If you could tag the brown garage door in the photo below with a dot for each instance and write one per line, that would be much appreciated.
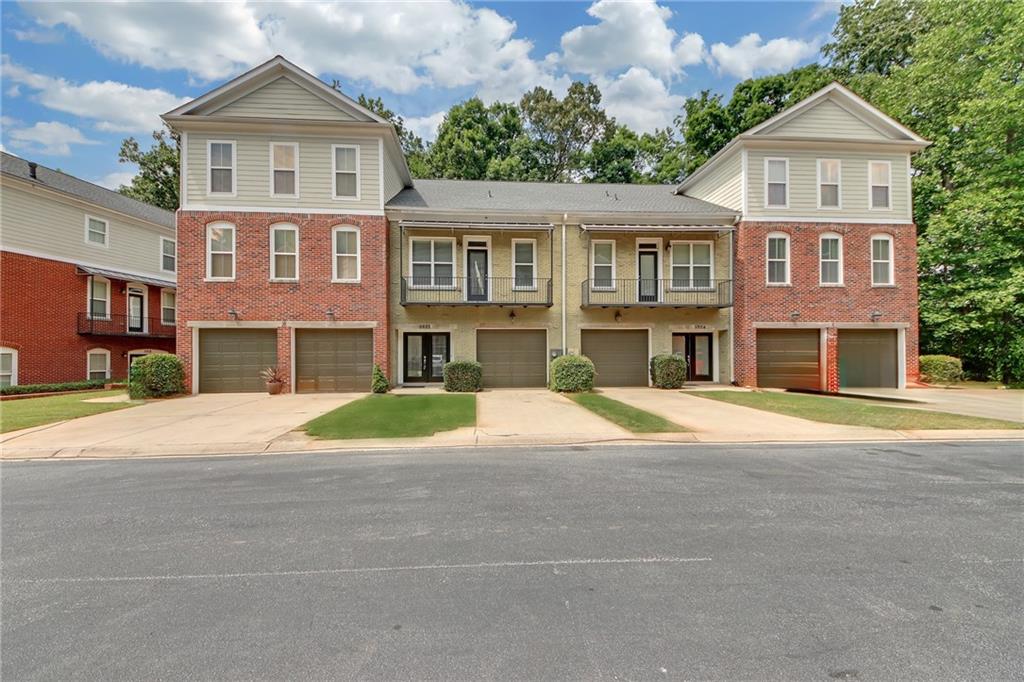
(867, 358)
(788, 358)
(230, 360)
(620, 356)
(513, 358)
(333, 360)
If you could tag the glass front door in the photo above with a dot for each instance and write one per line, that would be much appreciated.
(647, 286)
(476, 265)
(426, 356)
(696, 348)
(135, 308)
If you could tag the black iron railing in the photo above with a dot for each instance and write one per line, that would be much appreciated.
(673, 293)
(471, 291)
(124, 325)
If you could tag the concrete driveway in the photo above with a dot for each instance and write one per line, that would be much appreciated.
(215, 423)
(973, 402)
(540, 414)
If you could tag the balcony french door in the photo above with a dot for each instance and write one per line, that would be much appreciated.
(477, 257)
(136, 311)
(647, 268)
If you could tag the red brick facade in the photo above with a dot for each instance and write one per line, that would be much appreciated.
(39, 308)
(828, 307)
(256, 299)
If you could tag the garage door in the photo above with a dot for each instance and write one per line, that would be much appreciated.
(868, 358)
(230, 360)
(620, 356)
(332, 360)
(513, 358)
(788, 358)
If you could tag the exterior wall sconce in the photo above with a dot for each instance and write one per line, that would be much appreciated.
(875, 315)
(511, 314)
(618, 316)
(330, 314)
(233, 314)
(794, 315)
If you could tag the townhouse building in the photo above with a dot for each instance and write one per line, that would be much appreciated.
(87, 277)
(787, 260)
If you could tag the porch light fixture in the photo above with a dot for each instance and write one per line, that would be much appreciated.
(512, 314)
(875, 315)
(233, 314)
(618, 316)
(795, 314)
(330, 314)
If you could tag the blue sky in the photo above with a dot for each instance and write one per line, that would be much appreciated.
(78, 77)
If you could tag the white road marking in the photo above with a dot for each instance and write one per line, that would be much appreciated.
(373, 569)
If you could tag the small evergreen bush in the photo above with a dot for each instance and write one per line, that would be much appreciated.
(463, 376)
(156, 376)
(25, 389)
(940, 369)
(572, 374)
(668, 371)
(379, 383)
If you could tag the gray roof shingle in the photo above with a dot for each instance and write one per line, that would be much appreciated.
(86, 191)
(551, 197)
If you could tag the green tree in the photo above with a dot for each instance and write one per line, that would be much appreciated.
(875, 36)
(157, 180)
(411, 143)
(561, 131)
(624, 156)
(474, 140)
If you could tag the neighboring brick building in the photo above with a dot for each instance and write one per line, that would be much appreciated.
(87, 277)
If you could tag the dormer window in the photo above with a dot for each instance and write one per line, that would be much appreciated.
(346, 171)
(222, 167)
(776, 185)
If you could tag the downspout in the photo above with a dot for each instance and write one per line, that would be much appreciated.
(565, 218)
(732, 308)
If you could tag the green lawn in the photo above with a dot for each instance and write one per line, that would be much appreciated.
(395, 416)
(853, 412)
(27, 412)
(626, 416)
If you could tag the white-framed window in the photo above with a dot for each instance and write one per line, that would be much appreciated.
(830, 259)
(830, 173)
(8, 367)
(98, 297)
(96, 231)
(432, 262)
(168, 306)
(284, 252)
(776, 183)
(284, 169)
(881, 260)
(602, 264)
(345, 168)
(880, 190)
(220, 251)
(692, 265)
(220, 167)
(168, 255)
(346, 254)
(524, 263)
(777, 258)
(98, 364)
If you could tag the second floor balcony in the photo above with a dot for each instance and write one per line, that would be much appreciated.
(656, 293)
(445, 290)
(124, 325)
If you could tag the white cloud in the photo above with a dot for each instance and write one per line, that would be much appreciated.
(114, 106)
(629, 34)
(39, 36)
(116, 179)
(49, 137)
(751, 55)
(640, 100)
(426, 126)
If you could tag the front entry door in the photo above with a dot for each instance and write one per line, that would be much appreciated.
(696, 348)
(647, 286)
(426, 356)
(136, 301)
(476, 271)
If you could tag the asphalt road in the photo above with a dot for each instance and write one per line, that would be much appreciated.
(868, 561)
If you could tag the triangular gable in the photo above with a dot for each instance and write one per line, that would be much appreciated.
(284, 98)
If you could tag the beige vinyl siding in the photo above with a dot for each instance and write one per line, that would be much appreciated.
(803, 185)
(393, 183)
(828, 120)
(723, 185)
(253, 173)
(283, 98)
(40, 222)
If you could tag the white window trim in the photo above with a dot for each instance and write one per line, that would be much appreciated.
(164, 307)
(822, 237)
(767, 159)
(839, 187)
(455, 262)
(284, 227)
(335, 254)
(14, 363)
(335, 171)
(671, 264)
(97, 351)
(515, 263)
(593, 278)
(294, 146)
(871, 185)
(892, 259)
(209, 168)
(175, 243)
(789, 259)
(89, 299)
(106, 231)
(209, 252)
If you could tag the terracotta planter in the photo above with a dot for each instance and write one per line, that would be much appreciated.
(274, 387)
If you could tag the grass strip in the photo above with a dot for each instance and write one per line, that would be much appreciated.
(29, 412)
(628, 417)
(395, 416)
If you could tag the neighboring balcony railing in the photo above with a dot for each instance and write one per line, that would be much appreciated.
(652, 293)
(475, 291)
(124, 325)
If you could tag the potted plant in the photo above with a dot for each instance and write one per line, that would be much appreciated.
(275, 382)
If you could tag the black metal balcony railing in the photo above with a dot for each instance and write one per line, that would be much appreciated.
(677, 293)
(475, 291)
(124, 325)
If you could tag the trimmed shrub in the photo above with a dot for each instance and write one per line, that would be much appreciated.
(572, 374)
(463, 376)
(940, 369)
(25, 389)
(668, 371)
(156, 376)
(379, 383)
